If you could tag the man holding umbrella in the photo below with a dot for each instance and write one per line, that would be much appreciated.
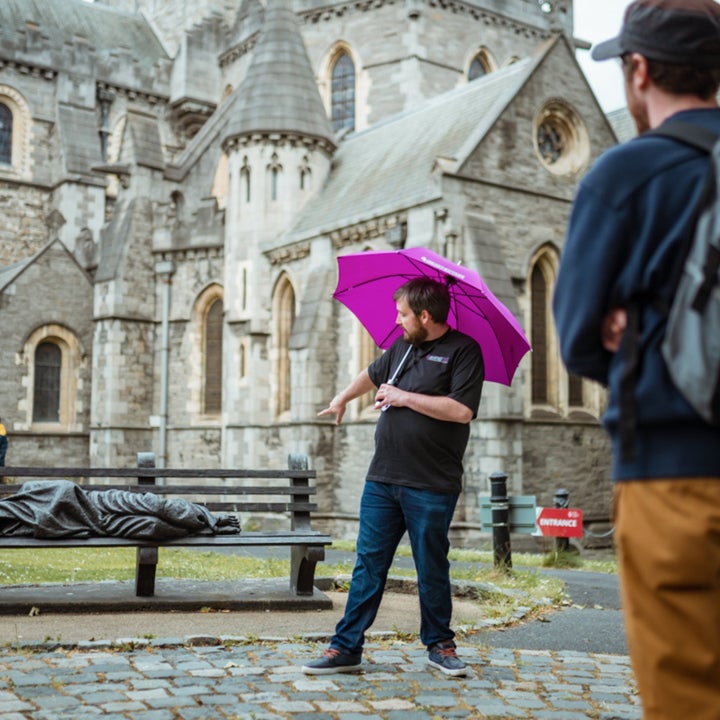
(428, 384)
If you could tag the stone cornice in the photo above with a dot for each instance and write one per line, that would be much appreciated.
(25, 68)
(278, 138)
(327, 13)
(369, 230)
(457, 7)
(288, 253)
(237, 51)
(131, 93)
(204, 252)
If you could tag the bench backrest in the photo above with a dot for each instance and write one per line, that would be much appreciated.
(220, 490)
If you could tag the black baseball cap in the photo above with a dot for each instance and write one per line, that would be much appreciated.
(678, 32)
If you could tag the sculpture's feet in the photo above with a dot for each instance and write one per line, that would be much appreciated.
(227, 525)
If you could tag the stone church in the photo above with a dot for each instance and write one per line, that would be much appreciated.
(178, 178)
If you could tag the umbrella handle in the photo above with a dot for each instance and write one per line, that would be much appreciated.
(394, 378)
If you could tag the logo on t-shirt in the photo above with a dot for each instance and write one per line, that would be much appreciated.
(439, 359)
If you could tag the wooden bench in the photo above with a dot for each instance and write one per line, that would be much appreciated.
(288, 497)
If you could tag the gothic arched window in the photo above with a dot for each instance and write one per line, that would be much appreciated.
(305, 174)
(274, 169)
(6, 131)
(213, 358)
(552, 389)
(477, 69)
(481, 64)
(177, 200)
(284, 312)
(342, 95)
(15, 133)
(245, 180)
(46, 395)
(55, 362)
(539, 336)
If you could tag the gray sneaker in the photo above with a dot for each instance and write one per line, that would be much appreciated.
(333, 661)
(443, 657)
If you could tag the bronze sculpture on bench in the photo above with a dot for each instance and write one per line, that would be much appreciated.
(63, 509)
(285, 497)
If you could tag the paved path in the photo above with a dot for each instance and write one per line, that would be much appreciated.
(166, 680)
(569, 666)
(591, 623)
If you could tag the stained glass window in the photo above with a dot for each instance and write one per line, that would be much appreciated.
(285, 309)
(46, 398)
(550, 142)
(213, 358)
(6, 130)
(477, 69)
(539, 336)
(342, 112)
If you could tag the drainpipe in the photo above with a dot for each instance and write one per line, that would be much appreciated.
(164, 270)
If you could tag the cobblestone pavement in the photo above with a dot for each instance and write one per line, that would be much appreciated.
(203, 678)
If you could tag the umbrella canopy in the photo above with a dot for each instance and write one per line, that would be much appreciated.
(367, 281)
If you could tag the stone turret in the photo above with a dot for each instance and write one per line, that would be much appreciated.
(279, 144)
(279, 93)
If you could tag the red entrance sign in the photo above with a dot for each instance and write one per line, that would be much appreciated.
(560, 522)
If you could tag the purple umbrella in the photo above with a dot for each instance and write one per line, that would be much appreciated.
(367, 281)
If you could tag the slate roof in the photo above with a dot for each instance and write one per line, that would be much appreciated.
(146, 142)
(248, 21)
(112, 244)
(10, 272)
(80, 140)
(389, 166)
(623, 124)
(279, 93)
(105, 28)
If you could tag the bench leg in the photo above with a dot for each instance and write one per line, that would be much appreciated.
(302, 568)
(146, 560)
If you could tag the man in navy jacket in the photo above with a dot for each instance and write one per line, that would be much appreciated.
(630, 214)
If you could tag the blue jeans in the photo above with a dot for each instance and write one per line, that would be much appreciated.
(386, 512)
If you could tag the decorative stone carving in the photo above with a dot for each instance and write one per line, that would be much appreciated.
(86, 249)
(54, 220)
(289, 253)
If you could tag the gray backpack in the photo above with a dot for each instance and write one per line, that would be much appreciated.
(691, 347)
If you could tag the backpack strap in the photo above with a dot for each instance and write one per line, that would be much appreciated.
(695, 135)
(701, 138)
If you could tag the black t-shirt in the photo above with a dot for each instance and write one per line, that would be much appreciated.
(413, 449)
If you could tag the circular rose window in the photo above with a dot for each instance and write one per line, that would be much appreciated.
(561, 139)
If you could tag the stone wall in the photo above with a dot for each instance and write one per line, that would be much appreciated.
(170, 19)
(22, 230)
(412, 61)
(63, 308)
(27, 449)
(574, 456)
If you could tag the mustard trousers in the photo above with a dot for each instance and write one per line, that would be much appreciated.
(668, 539)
